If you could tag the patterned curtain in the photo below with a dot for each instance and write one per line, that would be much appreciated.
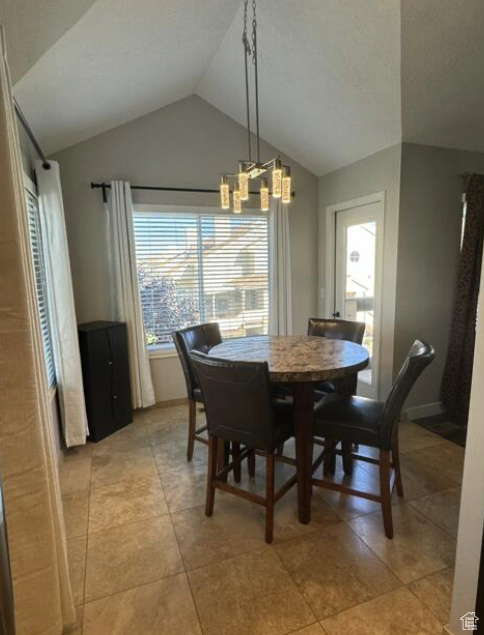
(457, 378)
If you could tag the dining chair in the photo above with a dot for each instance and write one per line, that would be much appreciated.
(338, 330)
(356, 420)
(202, 337)
(241, 410)
(350, 331)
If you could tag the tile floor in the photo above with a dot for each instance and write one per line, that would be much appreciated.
(145, 560)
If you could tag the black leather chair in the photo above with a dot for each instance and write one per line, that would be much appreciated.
(338, 330)
(240, 410)
(356, 420)
(202, 338)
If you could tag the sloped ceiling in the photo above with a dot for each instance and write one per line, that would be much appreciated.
(442, 73)
(339, 79)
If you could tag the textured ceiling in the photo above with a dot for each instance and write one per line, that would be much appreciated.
(33, 26)
(330, 89)
(120, 61)
(442, 73)
(339, 79)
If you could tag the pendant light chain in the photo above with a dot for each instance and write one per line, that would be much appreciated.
(247, 53)
(256, 74)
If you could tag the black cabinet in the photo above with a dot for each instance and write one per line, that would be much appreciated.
(105, 373)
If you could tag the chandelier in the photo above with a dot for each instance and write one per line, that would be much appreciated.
(249, 169)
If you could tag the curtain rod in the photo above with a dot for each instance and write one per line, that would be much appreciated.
(30, 134)
(106, 186)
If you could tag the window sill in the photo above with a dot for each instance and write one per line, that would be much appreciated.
(162, 354)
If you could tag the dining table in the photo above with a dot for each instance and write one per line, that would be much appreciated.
(298, 362)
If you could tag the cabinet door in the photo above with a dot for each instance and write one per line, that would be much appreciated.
(121, 395)
(97, 376)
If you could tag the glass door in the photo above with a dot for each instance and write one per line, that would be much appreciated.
(358, 282)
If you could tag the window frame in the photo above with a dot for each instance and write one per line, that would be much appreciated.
(31, 189)
(169, 350)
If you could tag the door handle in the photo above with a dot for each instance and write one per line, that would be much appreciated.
(336, 314)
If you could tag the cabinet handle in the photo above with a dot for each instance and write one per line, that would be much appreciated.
(115, 396)
(110, 363)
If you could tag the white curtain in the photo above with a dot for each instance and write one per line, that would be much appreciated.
(36, 535)
(125, 289)
(280, 304)
(61, 305)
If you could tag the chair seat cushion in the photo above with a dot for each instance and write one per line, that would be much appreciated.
(353, 419)
(284, 420)
(326, 386)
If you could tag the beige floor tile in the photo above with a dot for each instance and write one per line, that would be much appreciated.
(84, 451)
(335, 570)
(418, 548)
(76, 510)
(235, 527)
(314, 629)
(173, 432)
(442, 508)
(126, 502)
(184, 490)
(421, 475)
(127, 467)
(128, 439)
(398, 613)
(436, 593)
(127, 556)
(171, 458)
(446, 459)
(251, 593)
(164, 607)
(413, 437)
(76, 555)
(75, 474)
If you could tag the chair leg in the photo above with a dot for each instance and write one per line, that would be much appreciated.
(270, 479)
(329, 462)
(211, 474)
(396, 465)
(347, 448)
(385, 493)
(237, 465)
(251, 464)
(192, 422)
(223, 453)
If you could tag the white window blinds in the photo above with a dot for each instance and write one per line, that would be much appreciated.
(196, 268)
(38, 260)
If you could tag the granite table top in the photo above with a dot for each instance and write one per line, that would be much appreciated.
(296, 358)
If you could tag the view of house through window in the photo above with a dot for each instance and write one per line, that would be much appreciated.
(195, 268)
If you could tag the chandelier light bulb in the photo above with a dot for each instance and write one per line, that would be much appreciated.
(224, 193)
(264, 196)
(244, 185)
(286, 186)
(237, 202)
(277, 179)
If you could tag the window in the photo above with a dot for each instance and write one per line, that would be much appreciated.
(38, 260)
(194, 268)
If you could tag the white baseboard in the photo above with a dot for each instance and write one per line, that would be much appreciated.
(425, 410)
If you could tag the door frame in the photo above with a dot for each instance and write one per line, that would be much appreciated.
(330, 274)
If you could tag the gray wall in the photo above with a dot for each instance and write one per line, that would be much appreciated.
(187, 144)
(428, 254)
(376, 173)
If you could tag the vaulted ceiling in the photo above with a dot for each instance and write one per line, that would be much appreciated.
(339, 79)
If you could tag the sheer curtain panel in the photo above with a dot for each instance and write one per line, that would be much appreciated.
(280, 305)
(63, 314)
(125, 288)
(43, 601)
